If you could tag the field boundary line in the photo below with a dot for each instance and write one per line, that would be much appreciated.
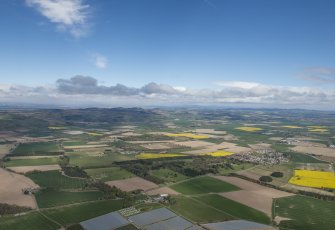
(52, 220)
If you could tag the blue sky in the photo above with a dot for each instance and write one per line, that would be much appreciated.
(193, 45)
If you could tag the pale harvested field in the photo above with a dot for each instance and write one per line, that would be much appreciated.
(251, 174)
(11, 189)
(132, 184)
(260, 146)
(25, 169)
(84, 146)
(309, 144)
(157, 146)
(4, 150)
(227, 146)
(210, 131)
(33, 157)
(150, 142)
(73, 132)
(321, 151)
(195, 144)
(130, 134)
(162, 190)
(252, 194)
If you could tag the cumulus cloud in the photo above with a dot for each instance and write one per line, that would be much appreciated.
(99, 60)
(88, 85)
(87, 90)
(68, 15)
(319, 74)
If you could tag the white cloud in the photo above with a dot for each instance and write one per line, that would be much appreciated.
(68, 15)
(99, 61)
(87, 90)
(238, 84)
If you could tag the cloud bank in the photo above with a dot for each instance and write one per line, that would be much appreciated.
(68, 15)
(86, 90)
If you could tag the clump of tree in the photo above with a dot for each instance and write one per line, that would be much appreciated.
(265, 179)
(277, 174)
(7, 209)
(74, 171)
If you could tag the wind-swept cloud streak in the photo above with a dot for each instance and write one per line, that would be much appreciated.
(86, 90)
(68, 15)
(319, 74)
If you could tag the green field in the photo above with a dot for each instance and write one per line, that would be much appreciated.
(197, 211)
(54, 179)
(74, 143)
(233, 208)
(97, 161)
(50, 198)
(306, 213)
(236, 167)
(77, 213)
(40, 148)
(168, 175)
(108, 174)
(201, 185)
(31, 221)
(32, 162)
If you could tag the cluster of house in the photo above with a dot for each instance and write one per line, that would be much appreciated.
(263, 156)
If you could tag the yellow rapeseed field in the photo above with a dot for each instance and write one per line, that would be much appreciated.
(220, 153)
(314, 179)
(190, 135)
(291, 127)
(318, 130)
(249, 128)
(317, 127)
(158, 155)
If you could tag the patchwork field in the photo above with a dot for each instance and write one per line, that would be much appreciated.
(249, 128)
(4, 150)
(201, 185)
(43, 168)
(97, 161)
(314, 179)
(32, 162)
(198, 212)
(50, 198)
(158, 155)
(108, 174)
(225, 146)
(319, 151)
(39, 148)
(11, 189)
(162, 190)
(305, 213)
(54, 179)
(233, 208)
(252, 194)
(188, 135)
(132, 184)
